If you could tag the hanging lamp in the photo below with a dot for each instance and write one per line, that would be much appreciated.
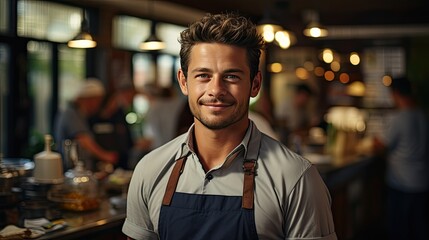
(314, 28)
(83, 39)
(152, 43)
(272, 31)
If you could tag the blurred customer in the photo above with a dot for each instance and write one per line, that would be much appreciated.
(405, 144)
(299, 115)
(110, 127)
(73, 124)
(161, 121)
(263, 124)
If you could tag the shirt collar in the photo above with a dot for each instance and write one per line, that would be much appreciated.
(250, 143)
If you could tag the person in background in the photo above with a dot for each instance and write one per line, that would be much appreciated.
(405, 146)
(224, 179)
(161, 120)
(301, 119)
(263, 124)
(298, 116)
(72, 124)
(110, 127)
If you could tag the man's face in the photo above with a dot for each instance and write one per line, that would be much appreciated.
(218, 85)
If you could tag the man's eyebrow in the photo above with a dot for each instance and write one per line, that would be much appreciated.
(231, 70)
(201, 70)
(234, 70)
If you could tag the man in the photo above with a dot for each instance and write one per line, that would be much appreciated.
(73, 124)
(224, 179)
(110, 128)
(405, 144)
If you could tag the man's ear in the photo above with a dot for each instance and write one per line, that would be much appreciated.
(256, 84)
(182, 82)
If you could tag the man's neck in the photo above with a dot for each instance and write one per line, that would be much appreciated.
(213, 146)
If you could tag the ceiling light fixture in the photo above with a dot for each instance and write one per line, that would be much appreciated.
(152, 43)
(83, 39)
(271, 30)
(314, 28)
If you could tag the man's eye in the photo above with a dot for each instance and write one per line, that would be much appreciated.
(202, 76)
(232, 78)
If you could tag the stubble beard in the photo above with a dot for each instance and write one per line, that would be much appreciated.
(218, 123)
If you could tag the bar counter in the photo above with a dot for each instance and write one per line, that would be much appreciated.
(355, 184)
(103, 223)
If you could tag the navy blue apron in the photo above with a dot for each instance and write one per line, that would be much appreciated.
(197, 216)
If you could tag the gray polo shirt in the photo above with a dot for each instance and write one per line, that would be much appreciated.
(291, 200)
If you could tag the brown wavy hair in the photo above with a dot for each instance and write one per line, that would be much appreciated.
(227, 28)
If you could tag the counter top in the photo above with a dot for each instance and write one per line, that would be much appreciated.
(87, 223)
(104, 222)
(338, 173)
(108, 220)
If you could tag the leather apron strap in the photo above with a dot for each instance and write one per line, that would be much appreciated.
(173, 180)
(248, 184)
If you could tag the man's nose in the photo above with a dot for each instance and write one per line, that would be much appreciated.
(216, 86)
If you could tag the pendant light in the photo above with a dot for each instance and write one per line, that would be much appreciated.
(268, 27)
(83, 39)
(314, 29)
(152, 43)
(272, 31)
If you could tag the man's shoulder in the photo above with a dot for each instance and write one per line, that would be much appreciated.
(163, 155)
(173, 146)
(276, 154)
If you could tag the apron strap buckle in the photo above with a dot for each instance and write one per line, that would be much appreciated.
(249, 167)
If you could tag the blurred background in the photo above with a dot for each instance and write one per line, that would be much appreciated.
(344, 52)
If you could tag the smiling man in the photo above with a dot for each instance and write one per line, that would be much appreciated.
(224, 179)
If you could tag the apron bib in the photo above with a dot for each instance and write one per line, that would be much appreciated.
(197, 216)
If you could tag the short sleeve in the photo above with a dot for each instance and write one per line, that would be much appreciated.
(138, 224)
(309, 214)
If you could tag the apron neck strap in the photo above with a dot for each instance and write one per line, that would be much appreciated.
(249, 167)
(173, 180)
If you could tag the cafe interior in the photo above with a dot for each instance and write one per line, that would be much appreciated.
(346, 52)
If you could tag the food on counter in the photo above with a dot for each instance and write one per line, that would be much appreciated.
(78, 202)
(73, 199)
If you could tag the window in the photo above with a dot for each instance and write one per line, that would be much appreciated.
(47, 20)
(40, 85)
(144, 69)
(4, 91)
(71, 73)
(4, 16)
(166, 69)
(128, 32)
(169, 33)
